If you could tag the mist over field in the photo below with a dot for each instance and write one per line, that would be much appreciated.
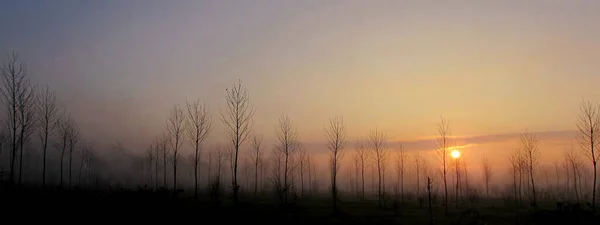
(409, 112)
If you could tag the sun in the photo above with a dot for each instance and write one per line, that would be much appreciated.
(455, 154)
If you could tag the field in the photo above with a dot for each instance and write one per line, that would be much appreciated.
(152, 206)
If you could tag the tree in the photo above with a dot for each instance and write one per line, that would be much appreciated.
(418, 163)
(487, 174)
(443, 142)
(72, 141)
(256, 157)
(162, 143)
(377, 143)
(302, 157)
(400, 169)
(575, 164)
(86, 151)
(176, 127)
(48, 115)
(589, 138)
(18, 98)
(66, 129)
(532, 155)
(336, 141)
(199, 124)
(361, 159)
(238, 122)
(287, 146)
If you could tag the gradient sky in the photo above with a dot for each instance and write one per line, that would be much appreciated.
(492, 69)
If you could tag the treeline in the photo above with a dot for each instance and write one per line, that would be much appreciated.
(41, 144)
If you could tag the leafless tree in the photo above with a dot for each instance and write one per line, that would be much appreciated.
(256, 157)
(162, 146)
(417, 163)
(199, 124)
(377, 143)
(151, 159)
(72, 142)
(287, 146)
(532, 155)
(14, 85)
(302, 157)
(336, 141)
(589, 138)
(443, 142)
(27, 111)
(361, 156)
(575, 167)
(48, 115)
(487, 174)
(238, 121)
(400, 169)
(66, 130)
(176, 128)
(86, 151)
(458, 177)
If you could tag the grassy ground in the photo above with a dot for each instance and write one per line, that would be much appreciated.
(135, 206)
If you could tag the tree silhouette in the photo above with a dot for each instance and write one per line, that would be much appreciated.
(400, 169)
(443, 142)
(589, 138)
(336, 141)
(287, 146)
(66, 132)
(256, 157)
(361, 156)
(530, 147)
(238, 122)
(48, 115)
(176, 127)
(199, 124)
(377, 143)
(487, 174)
(18, 98)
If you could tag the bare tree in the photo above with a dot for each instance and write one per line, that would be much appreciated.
(176, 127)
(361, 158)
(48, 121)
(27, 111)
(302, 157)
(443, 142)
(417, 163)
(199, 124)
(162, 147)
(487, 174)
(256, 157)
(151, 159)
(18, 98)
(86, 151)
(72, 142)
(238, 121)
(66, 129)
(287, 146)
(377, 143)
(400, 169)
(575, 166)
(336, 141)
(530, 148)
(589, 138)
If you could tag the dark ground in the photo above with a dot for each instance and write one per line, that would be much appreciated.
(67, 206)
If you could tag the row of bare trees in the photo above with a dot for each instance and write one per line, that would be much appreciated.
(28, 110)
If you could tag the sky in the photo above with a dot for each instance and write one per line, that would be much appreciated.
(492, 69)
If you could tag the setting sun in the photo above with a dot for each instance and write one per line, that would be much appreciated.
(455, 154)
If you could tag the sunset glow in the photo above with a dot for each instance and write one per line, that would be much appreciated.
(455, 154)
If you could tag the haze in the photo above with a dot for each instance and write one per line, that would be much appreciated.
(492, 69)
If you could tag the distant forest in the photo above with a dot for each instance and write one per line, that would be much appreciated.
(41, 145)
